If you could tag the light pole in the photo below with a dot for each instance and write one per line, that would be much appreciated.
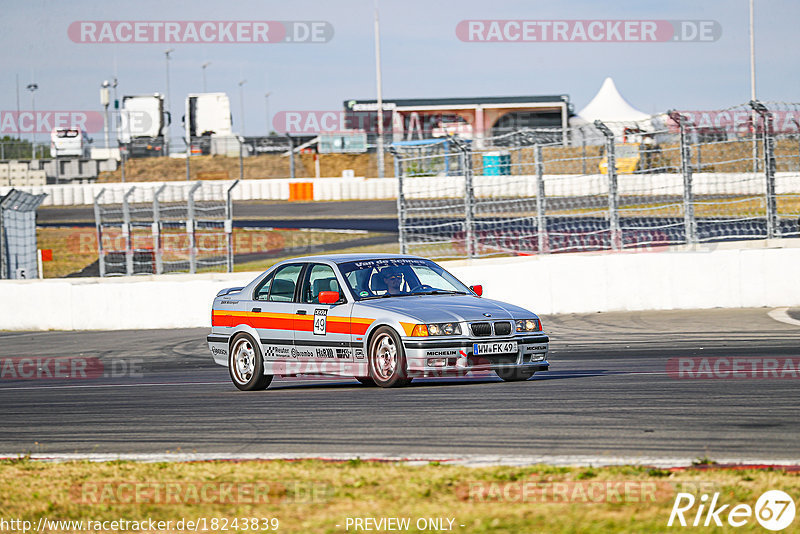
(104, 100)
(203, 66)
(116, 110)
(167, 52)
(380, 90)
(241, 101)
(266, 99)
(33, 87)
(753, 86)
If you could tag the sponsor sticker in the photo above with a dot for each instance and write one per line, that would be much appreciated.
(277, 351)
(320, 322)
(446, 352)
(324, 352)
(342, 353)
(359, 353)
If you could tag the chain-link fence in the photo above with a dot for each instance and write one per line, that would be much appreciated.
(172, 228)
(18, 258)
(680, 177)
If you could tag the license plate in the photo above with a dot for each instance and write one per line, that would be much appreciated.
(481, 349)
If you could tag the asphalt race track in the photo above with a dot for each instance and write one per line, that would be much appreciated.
(608, 394)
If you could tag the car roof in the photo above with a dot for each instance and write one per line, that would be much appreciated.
(342, 258)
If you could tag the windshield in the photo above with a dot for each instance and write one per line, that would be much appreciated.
(399, 277)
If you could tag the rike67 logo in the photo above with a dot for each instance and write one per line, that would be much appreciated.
(774, 510)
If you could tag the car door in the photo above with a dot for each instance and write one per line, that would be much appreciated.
(323, 329)
(274, 307)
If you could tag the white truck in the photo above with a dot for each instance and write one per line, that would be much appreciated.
(207, 115)
(143, 123)
(69, 142)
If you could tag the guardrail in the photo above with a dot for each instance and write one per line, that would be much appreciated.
(561, 283)
(556, 185)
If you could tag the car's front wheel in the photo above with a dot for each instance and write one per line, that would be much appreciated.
(513, 374)
(387, 359)
(246, 366)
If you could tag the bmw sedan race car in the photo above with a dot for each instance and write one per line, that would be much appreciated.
(383, 319)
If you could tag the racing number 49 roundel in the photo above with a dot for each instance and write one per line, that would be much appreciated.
(382, 319)
(320, 320)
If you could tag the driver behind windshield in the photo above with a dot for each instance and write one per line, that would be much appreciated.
(393, 280)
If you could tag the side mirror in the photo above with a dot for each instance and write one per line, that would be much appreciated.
(477, 289)
(328, 297)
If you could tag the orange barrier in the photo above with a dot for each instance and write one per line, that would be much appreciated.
(301, 191)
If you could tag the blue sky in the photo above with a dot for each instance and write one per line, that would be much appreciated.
(422, 57)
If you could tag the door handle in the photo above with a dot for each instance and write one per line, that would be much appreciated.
(300, 312)
(256, 310)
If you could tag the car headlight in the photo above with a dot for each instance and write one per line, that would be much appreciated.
(528, 325)
(444, 329)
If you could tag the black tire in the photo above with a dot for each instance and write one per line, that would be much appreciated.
(367, 381)
(246, 365)
(387, 359)
(514, 375)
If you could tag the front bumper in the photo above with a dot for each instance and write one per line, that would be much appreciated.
(434, 356)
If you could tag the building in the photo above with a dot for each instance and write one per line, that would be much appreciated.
(472, 118)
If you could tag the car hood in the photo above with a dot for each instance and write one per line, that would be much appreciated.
(448, 308)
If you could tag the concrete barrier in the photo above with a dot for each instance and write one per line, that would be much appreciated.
(561, 283)
(556, 185)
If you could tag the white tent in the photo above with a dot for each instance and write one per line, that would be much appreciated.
(609, 106)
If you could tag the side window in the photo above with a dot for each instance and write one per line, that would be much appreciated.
(319, 278)
(262, 291)
(283, 283)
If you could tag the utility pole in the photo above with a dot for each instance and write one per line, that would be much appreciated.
(380, 90)
(266, 98)
(167, 52)
(203, 66)
(104, 100)
(32, 87)
(241, 101)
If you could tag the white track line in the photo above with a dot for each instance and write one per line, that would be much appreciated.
(468, 460)
(781, 315)
(553, 375)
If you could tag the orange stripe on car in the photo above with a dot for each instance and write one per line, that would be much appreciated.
(289, 321)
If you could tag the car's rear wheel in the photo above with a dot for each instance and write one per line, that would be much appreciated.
(514, 375)
(246, 366)
(387, 359)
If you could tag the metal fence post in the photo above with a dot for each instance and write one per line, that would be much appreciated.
(98, 222)
(291, 155)
(797, 125)
(3, 244)
(613, 193)
(541, 221)
(469, 196)
(401, 201)
(769, 168)
(689, 222)
(228, 224)
(156, 230)
(126, 231)
(191, 227)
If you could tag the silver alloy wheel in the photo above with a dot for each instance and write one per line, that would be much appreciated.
(385, 358)
(244, 361)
